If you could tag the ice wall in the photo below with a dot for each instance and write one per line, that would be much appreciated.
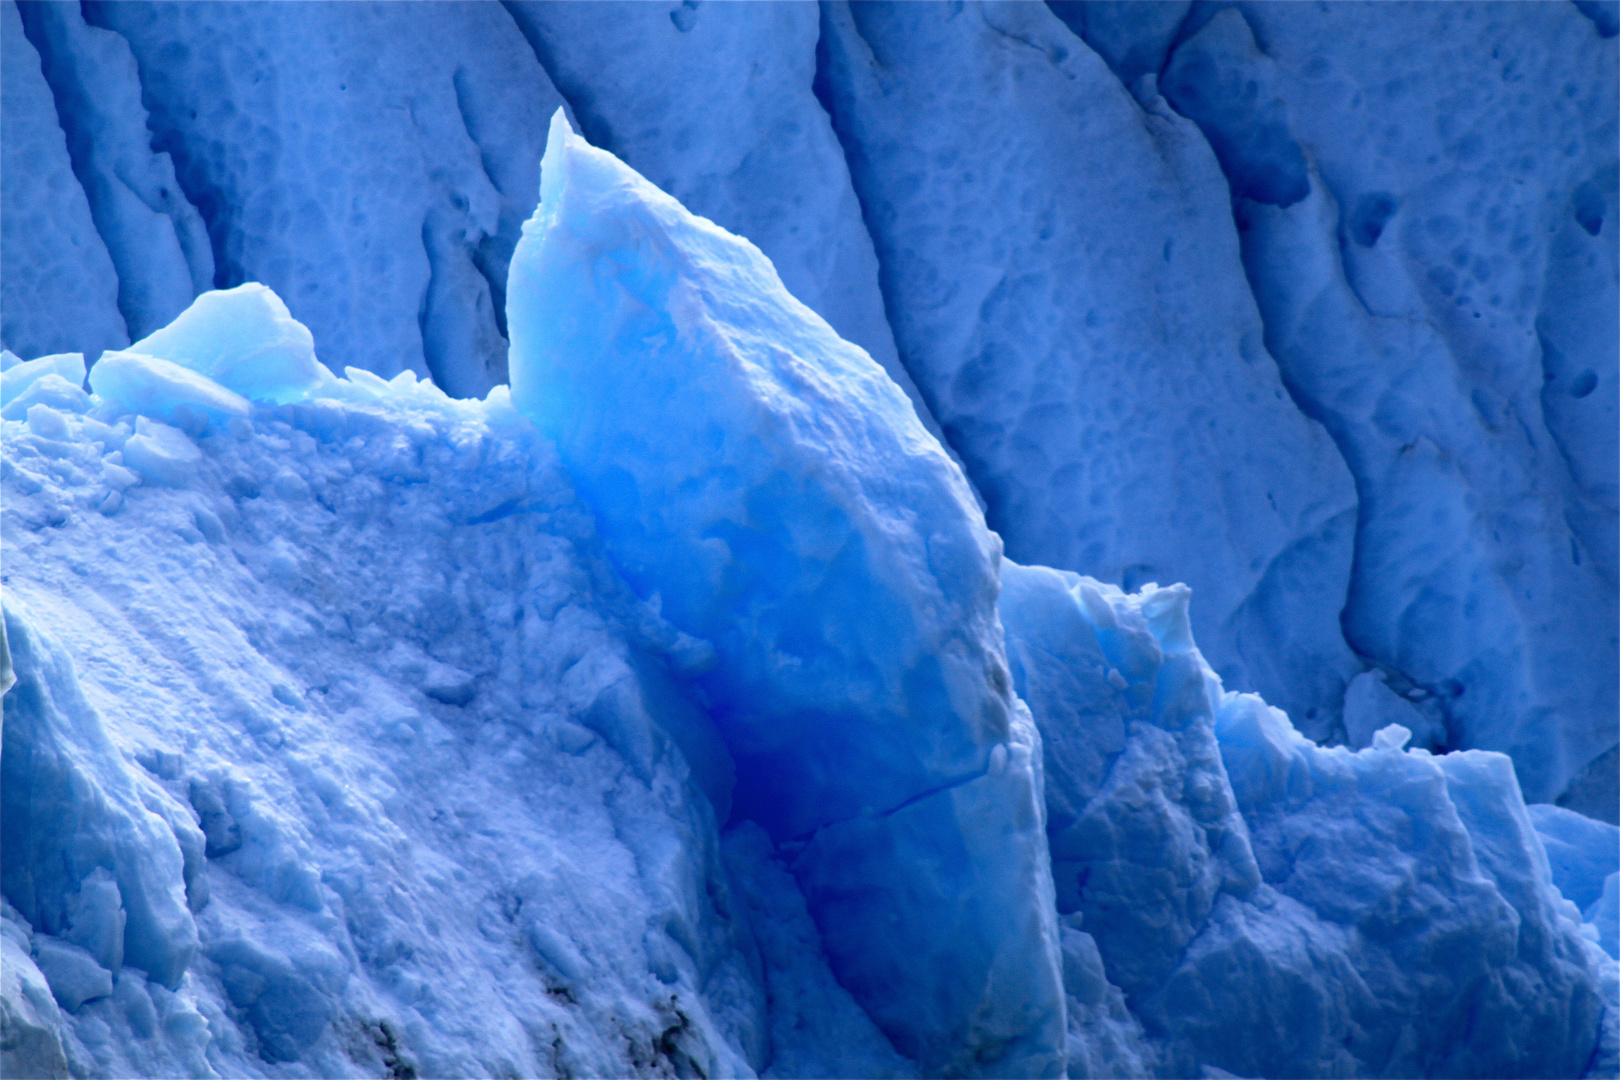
(60, 290)
(1443, 237)
(347, 739)
(1065, 285)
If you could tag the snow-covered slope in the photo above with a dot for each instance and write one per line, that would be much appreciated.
(362, 730)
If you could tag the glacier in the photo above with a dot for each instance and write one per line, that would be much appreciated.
(1121, 364)
(591, 651)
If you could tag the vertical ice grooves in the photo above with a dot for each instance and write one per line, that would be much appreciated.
(480, 255)
(168, 138)
(70, 129)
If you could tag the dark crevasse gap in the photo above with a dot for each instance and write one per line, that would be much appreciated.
(167, 137)
(1135, 37)
(1219, 79)
(157, 241)
(1605, 15)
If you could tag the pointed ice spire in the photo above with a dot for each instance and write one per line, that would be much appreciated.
(774, 487)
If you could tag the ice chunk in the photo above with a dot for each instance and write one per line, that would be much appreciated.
(143, 384)
(755, 155)
(245, 340)
(287, 1011)
(772, 490)
(1183, 897)
(1370, 705)
(18, 377)
(1392, 737)
(1144, 831)
(96, 919)
(770, 486)
(1422, 855)
(160, 453)
(51, 391)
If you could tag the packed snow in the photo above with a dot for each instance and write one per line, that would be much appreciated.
(673, 710)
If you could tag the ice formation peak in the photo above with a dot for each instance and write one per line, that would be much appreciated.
(773, 491)
(246, 340)
(695, 400)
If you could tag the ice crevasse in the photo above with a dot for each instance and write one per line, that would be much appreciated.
(676, 712)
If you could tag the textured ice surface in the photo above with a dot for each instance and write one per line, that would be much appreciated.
(156, 238)
(1445, 302)
(1467, 148)
(772, 491)
(339, 674)
(1069, 297)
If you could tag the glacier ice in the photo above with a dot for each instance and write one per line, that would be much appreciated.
(86, 859)
(395, 738)
(1442, 238)
(1372, 904)
(407, 171)
(396, 765)
(245, 340)
(1466, 149)
(157, 239)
